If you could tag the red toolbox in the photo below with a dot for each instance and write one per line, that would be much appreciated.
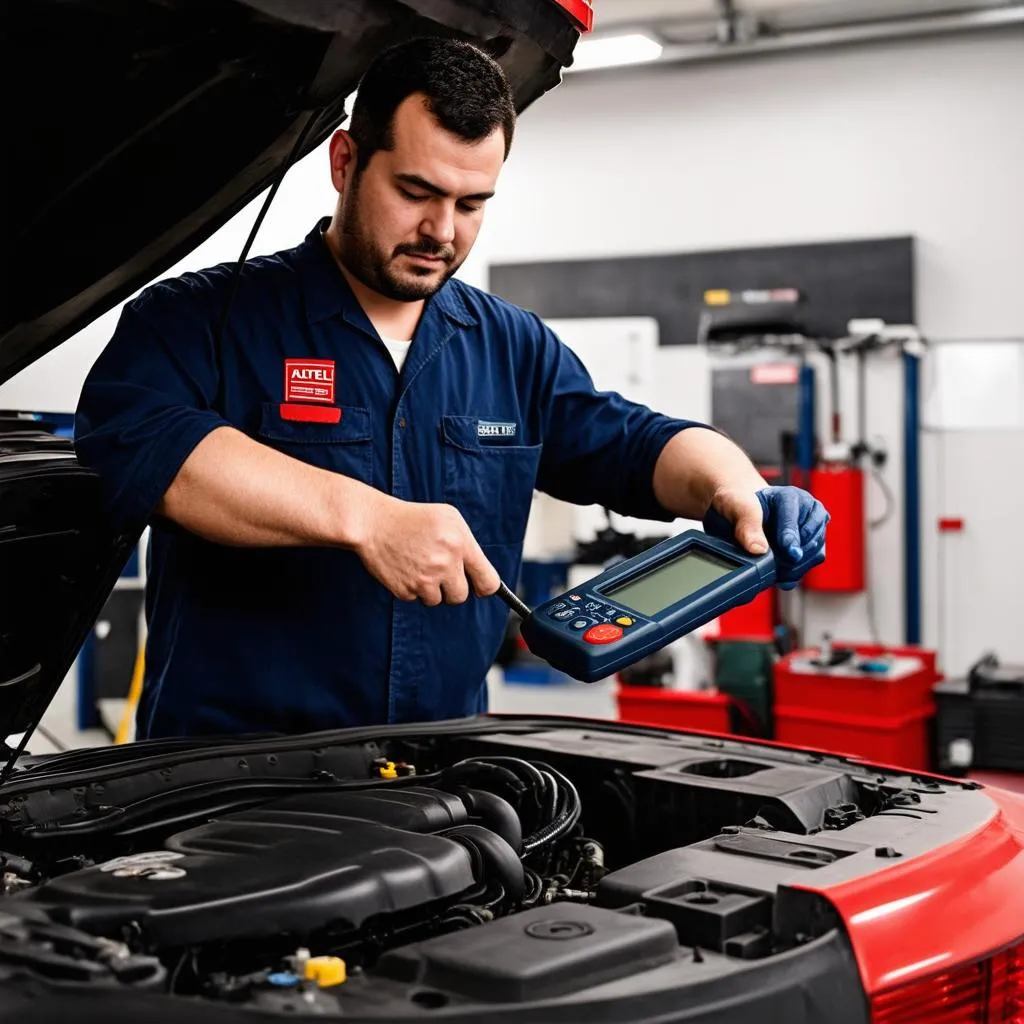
(704, 710)
(880, 715)
(754, 620)
(900, 741)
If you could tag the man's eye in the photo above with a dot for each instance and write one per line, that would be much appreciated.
(469, 207)
(412, 195)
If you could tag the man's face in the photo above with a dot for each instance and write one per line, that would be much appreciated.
(409, 220)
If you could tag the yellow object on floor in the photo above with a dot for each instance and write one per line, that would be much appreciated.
(124, 727)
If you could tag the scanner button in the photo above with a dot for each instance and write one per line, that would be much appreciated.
(563, 614)
(625, 620)
(605, 633)
(581, 623)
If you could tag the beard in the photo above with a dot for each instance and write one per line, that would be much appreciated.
(374, 267)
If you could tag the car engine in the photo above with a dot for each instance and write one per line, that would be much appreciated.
(440, 871)
(239, 900)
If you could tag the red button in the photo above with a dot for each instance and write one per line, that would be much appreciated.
(606, 633)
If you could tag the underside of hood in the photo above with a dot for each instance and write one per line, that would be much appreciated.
(136, 128)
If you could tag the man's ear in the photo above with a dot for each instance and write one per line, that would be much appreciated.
(343, 159)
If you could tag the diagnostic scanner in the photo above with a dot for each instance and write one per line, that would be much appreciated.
(639, 605)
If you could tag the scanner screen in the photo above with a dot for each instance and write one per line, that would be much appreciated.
(656, 590)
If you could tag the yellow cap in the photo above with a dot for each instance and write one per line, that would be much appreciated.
(389, 771)
(717, 297)
(326, 971)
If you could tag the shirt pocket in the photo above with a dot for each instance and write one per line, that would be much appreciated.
(344, 447)
(490, 481)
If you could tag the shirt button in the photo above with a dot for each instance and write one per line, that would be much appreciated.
(401, 423)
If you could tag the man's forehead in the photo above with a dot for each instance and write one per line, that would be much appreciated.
(418, 135)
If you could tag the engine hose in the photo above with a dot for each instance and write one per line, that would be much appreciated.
(549, 833)
(19, 865)
(526, 767)
(554, 796)
(565, 820)
(496, 854)
(527, 772)
(498, 814)
(478, 774)
(562, 824)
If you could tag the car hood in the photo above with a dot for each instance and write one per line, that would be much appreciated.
(139, 128)
(135, 130)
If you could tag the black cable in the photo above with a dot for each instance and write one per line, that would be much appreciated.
(47, 735)
(862, 397)
(565, 821)
(236, 275)
(554, 797)
(890, 500)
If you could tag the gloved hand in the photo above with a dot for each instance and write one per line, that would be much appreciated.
(788, 519)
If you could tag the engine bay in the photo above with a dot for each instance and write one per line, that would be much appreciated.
(497, 865)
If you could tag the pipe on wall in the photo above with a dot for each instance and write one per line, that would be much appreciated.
(912, 499)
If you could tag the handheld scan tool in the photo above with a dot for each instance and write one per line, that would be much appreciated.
(639, 605)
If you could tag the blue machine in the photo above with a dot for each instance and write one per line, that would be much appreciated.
(639, 605)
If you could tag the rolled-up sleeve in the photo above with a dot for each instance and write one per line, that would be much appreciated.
(148, 401)
(599, 447)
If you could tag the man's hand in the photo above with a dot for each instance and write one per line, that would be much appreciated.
(787, 519)
(423, 551)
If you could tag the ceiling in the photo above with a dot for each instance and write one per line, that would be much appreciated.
(704, 29)
(608, 13)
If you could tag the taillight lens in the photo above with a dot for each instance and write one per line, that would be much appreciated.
(990, 991)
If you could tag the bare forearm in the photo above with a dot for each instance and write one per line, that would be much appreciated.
(694, 465)
(235, 491)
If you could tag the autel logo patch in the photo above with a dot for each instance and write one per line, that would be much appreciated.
(309, 380)
(485, 429)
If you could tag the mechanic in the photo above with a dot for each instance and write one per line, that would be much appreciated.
(337, 475)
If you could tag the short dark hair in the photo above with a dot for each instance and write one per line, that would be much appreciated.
(466, 91)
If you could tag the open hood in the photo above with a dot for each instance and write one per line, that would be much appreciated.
(136, 128)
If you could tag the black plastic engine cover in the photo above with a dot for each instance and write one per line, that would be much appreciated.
(538, 954)
(274, 869)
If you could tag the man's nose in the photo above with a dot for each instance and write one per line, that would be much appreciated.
(439, 224)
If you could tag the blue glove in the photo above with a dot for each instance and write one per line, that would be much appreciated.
(794, 525)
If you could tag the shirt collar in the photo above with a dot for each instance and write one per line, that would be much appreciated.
(328, 294)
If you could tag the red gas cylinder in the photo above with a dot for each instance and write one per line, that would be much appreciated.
(754, 620)
(840, 488)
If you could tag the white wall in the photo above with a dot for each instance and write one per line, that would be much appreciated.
(918, 138)
(921, 138)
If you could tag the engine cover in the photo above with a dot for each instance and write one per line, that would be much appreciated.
(289, 866)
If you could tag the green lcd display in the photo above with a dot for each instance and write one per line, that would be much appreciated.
(662, 587)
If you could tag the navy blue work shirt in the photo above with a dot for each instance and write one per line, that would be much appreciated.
(489, 405)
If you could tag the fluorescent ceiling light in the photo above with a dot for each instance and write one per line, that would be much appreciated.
(614, 51)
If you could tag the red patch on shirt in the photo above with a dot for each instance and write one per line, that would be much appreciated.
(309, 380)
(309, 413)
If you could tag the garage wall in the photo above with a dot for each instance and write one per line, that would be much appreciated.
(916, 138)
(919, 138)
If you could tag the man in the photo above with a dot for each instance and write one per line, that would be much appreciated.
(337, 480)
